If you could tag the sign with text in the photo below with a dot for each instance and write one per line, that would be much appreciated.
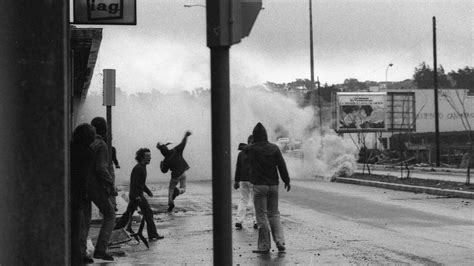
(103, 12)
(360, 111)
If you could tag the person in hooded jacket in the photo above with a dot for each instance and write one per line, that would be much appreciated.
(266, 161)
(242, 181)
(174, 162)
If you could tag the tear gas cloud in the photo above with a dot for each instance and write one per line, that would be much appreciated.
(143, 119)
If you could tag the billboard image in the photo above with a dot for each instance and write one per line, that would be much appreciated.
(360, 111)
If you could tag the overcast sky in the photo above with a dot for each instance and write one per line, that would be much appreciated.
(167, 49)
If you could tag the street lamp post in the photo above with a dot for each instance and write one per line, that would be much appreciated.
(386, 71)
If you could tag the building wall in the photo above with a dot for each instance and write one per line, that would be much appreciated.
(449, 119)
(34, 133)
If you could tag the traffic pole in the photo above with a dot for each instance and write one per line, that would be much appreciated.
(228, 21)
(221, 169)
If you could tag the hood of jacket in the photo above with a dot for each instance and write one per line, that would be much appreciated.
(259, 133)
(242, 146)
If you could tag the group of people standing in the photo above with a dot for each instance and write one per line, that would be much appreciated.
(256, 174)
(93, 181)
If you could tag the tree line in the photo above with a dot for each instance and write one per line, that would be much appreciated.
(423, 78)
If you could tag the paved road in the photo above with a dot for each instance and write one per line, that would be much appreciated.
(324, 223)
(384, 226)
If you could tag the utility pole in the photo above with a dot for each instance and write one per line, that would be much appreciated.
(435, 71)
(320, 111)
(311, 55)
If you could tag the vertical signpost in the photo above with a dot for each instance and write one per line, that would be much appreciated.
(108, 102)
(227, 22)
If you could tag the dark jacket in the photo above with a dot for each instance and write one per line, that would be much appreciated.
(137, 182)
(265, 158)
(242, 169)
(174, 158)
(100, 178)
(82, 164)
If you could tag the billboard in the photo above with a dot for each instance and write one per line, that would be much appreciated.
(360, 112)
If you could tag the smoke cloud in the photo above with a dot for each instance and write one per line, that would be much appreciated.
(143, 119)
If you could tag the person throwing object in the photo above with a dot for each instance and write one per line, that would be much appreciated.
(174, 161)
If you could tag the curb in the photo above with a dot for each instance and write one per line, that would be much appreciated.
(418, 168)
(415, 189)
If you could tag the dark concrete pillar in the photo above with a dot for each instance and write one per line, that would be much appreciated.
(34, 133)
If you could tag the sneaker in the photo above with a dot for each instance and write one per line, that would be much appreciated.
(261, 251)
(175, 193)
(238, 225)
(255, 226)
(171, 207)
(280, 246)
(103, 256)
(155, 238)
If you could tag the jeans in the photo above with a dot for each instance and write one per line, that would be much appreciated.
(246, 196)
(102, 201)
(113, 200)
(173, 183)
(266, 210)
(146, 212)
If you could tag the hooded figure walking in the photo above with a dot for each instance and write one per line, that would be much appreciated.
(242, 181)
(266, 161)
(174, 162)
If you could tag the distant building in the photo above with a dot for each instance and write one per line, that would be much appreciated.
(453, 104)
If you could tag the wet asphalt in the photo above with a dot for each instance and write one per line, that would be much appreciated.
(324, 223)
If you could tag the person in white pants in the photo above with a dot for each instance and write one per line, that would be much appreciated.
(242, 181)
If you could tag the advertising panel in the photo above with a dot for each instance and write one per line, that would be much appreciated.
(360, 111)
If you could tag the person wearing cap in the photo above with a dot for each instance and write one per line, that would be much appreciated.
(266, 161)
(174, 161)
(242, 182)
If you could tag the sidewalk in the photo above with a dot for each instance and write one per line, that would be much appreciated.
(189, 239)
(445, 174)
(312, 237)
